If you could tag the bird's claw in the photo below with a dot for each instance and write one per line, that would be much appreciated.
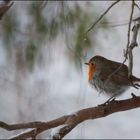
(133, 95)
(137, 86)
(112, 99)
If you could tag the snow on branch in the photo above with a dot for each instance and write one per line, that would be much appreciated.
(55, 131)
(68, 122)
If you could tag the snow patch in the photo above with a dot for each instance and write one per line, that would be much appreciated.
(55, 131)
(72, 113)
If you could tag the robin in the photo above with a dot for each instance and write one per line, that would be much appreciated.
(110, 77)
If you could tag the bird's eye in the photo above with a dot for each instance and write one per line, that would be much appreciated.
(92, 64)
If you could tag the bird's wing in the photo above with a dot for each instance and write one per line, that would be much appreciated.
(117, 73)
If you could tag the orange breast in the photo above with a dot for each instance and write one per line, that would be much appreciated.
(91, 72)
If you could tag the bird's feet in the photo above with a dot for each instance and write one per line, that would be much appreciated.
(111, 99)
(137, 86)
(133, 95)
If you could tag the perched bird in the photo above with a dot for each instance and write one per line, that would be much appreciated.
(110, 77)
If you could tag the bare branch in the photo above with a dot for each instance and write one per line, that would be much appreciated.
(71, 121)
(98, 112)
(25, 134)
(5, 7)
(136, 5)
(39, 127)
(128, 51)
(94, 24)
(132, 45)
(114, 25)
(11, 127)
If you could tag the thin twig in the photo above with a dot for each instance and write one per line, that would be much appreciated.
(129, 29)
(90, 28)
(128, 51)
(136, 5)
(129, 47)
(114, 25)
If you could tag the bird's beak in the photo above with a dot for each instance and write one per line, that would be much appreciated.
(87, 63)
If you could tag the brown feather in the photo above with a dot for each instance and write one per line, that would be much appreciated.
(116, 72)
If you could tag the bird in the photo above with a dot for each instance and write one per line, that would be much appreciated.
(110, 77)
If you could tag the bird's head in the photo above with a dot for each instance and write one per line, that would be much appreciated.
(94, 64)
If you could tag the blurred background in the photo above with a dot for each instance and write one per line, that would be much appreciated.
(42, 72)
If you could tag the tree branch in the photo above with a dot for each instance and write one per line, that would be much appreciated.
(133, 44)
(5, 7)
(130, 45)
(128, 50)
(72, 120)
(94, 24)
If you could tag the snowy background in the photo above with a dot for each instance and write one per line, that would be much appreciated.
(55, 87)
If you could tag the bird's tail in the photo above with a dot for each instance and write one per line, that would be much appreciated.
(135, 79)
(135, 82)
